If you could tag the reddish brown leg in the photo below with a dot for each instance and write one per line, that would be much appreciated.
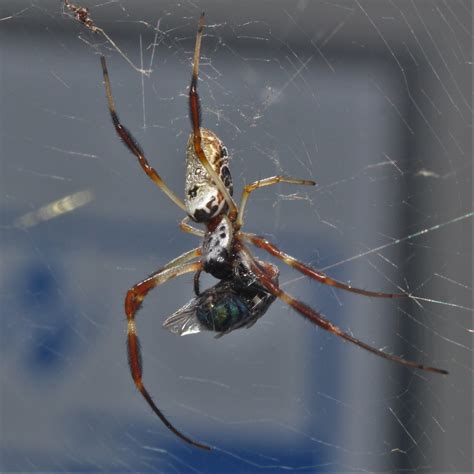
(264, 244)
(133, 301)
(195, 112)
(132, 144)
(321, 321)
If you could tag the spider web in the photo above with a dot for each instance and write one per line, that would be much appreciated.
(372, 100)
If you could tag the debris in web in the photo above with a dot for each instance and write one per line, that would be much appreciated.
(82, 15)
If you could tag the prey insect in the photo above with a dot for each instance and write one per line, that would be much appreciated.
(230, 304)
(247, 286)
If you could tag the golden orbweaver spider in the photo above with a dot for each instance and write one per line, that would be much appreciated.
(247, 286)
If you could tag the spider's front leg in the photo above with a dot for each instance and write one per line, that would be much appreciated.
(133, 301)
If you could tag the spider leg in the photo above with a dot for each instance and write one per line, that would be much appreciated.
(133, 301)
(272, 249)
(132, 144)
(185, 227)
(321, 321)
(183, 258)
(261, 184)
(195, 112)
(197, 285)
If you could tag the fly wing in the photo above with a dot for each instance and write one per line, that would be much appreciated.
(185, 321)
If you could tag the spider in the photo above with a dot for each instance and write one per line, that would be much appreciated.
(247, 286)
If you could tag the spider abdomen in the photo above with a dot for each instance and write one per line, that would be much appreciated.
(203, 199)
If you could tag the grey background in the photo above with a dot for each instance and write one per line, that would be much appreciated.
(370, 99)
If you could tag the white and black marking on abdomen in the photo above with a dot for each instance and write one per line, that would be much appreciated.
(202, 198)
(216, 250)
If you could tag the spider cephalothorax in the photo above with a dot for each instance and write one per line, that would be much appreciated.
(217, 248)
(247, 286)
